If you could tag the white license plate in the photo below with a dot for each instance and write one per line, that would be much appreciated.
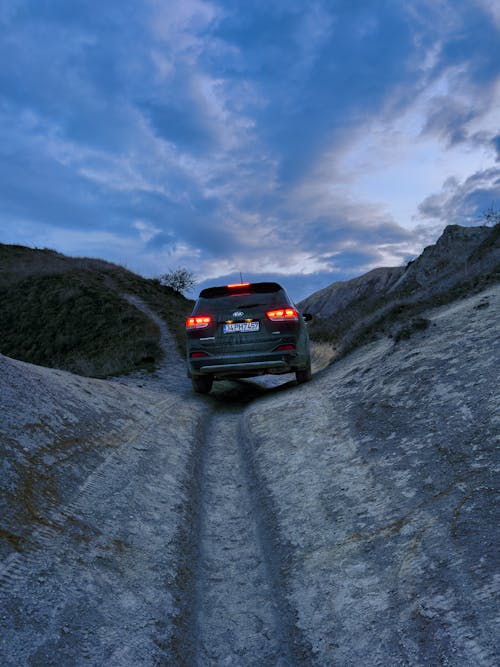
(240, 327)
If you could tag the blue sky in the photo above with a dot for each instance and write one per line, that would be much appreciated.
(306, 142)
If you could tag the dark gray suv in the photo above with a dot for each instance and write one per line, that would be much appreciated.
(244, 330)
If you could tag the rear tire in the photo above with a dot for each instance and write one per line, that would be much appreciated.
(304, 375)
(202, 384)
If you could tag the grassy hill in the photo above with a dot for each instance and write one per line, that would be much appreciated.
(68, 313)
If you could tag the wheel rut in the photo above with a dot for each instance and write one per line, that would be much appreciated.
(238, 616)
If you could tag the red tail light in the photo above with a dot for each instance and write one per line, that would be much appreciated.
(198, 322)
(197, 355)
(238, 285)
(287, 346)
(283, 315)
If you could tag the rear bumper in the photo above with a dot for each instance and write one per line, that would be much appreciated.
(245, 365)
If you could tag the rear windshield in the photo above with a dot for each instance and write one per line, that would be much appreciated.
(256, 294)
(251, 288)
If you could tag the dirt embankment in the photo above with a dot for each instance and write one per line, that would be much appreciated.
(383, 480)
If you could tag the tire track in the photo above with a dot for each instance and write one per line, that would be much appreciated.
(171, 375)
(240, 615)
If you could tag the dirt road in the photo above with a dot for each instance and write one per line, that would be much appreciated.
(346, 522)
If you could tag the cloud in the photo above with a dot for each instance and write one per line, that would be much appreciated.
(496, 144)
(448, 118)
(188, 131)
(347, 73)
(182, 24)
(464, 202)
(287, 138)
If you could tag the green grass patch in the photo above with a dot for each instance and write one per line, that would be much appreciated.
(69, 313)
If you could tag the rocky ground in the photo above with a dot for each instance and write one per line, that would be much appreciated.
(382, 476)
(349, 521)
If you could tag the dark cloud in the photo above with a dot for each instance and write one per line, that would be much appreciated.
(180, 123)
(35, 187)
(448, 119)
(323, 233)
(322, 85)
(496, 145)
(464, 203)
(71, 68)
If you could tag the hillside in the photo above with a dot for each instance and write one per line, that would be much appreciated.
(390, 300)
(341, 295)
(384, 486)
(348, 521)
(70, 313)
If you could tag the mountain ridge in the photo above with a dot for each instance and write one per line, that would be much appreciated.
(463, 260)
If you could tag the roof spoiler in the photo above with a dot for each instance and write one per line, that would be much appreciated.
(244, 288)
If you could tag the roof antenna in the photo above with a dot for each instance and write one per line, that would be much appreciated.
(241, 278)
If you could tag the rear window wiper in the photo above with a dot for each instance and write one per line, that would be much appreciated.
(250, 305)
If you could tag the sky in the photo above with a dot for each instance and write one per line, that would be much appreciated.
(303, 142)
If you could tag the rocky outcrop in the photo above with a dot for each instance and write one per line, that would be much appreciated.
(454, 258)
(463, 259)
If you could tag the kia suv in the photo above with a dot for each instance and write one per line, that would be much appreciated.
(244, 330)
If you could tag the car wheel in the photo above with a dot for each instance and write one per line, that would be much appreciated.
(202, 384)
(304, 375)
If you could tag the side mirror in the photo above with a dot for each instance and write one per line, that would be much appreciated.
(307, 317)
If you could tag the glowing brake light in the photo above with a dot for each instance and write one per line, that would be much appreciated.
(238, 285)
(283, 315)
(198, 322)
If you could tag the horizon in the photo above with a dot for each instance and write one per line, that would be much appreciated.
(306, 143)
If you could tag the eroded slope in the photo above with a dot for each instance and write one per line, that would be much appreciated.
(381, 475)
(95, 514)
